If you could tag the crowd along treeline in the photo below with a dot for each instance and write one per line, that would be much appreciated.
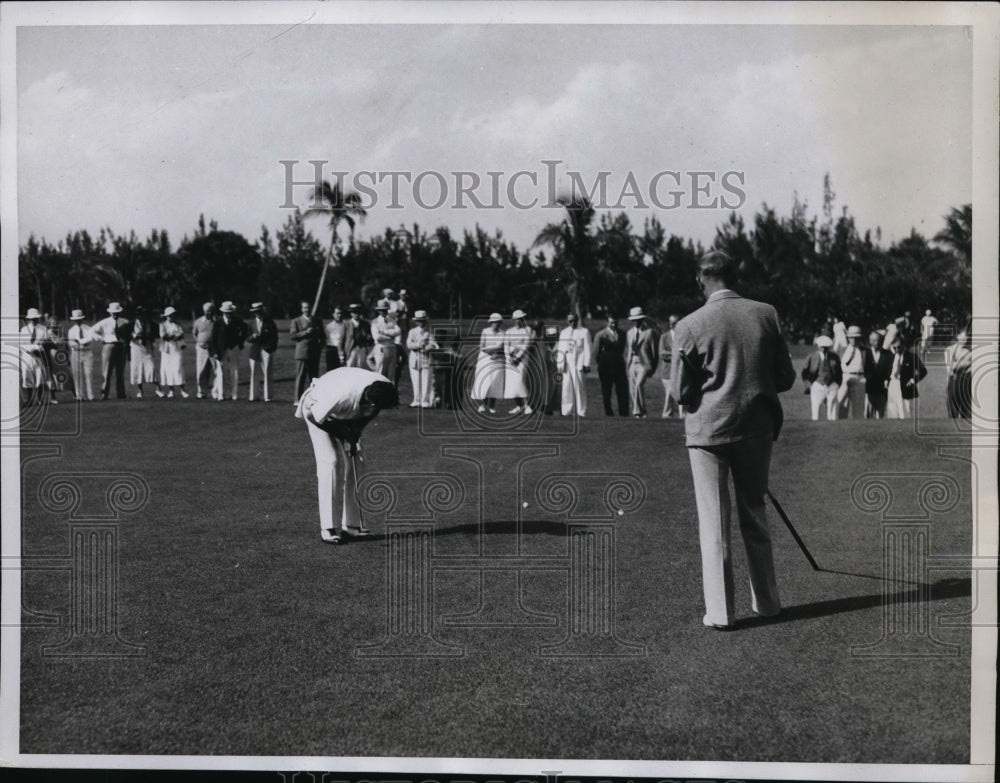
(807, 267)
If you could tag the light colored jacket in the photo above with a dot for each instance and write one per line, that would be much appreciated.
(729, 363)
(573, 349)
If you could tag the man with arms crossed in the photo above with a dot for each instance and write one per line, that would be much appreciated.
(729, 363)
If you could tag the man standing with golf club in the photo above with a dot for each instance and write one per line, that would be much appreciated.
(730, 361)
(337, 407)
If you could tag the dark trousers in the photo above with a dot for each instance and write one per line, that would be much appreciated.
(113, 357)
(305, 370)
(612, 376)
(877, 398)
(443, 385)
(332, 358)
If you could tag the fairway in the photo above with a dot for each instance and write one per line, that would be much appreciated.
(241, 633)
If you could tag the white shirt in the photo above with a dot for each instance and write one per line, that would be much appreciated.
(337, 394)
(573, 348)
(80, 336)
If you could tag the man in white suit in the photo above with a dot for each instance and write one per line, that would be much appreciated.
(640, 360)
(730, 361)
(573, 361)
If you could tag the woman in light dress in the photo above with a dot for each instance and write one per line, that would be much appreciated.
(36, 376)
(488, 382)
(171, 347)
(517, 343)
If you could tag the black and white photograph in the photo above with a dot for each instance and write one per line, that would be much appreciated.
(561, 390)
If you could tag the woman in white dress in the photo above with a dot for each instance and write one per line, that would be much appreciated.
(36, 378)
(171, 347)
(488, 382)
(517, 342)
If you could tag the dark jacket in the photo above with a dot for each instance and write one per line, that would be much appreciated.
(263, 339)
(911, 372)
(227, 336)
(308, 344)
(609, 353)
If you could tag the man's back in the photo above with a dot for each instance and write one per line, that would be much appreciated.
(729, 363)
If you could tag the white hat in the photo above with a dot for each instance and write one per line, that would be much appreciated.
(636, 314)
(114, 308)
(823, 341)
(855, 331)
(227, 307)
(495, 318)
(387, 292)
(76, 315)
(33, 313)
(382, 304)
(551, 330)
(518, 314)
(256, 306)
(420, 315)
(207, 306)
(169, 311)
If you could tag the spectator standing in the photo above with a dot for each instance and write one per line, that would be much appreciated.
(335, 341)
(114, 334)
(671, 408)
(823, 376)
(907, 371)
(517, 344)
(609, 352)
(386, 335)
(420, 343)
(206, 365)
(230, 338)
(307, 334)
(573, 362)
(878, 363)
(488, 381)
(171, 354)
(927, 325)
(851, 394)
(263, 338)
(839, 335)
(357, 338)
(144, 334)
(958, 359)
(640, 359)
(80, 339)
(36, 375)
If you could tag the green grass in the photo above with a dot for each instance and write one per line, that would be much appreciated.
(252, 625)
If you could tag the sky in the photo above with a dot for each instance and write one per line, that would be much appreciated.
(149, 126)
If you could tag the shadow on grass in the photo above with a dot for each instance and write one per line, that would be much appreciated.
(941, 590)
(530, 527)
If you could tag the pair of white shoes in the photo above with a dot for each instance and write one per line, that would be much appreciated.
(526, 410)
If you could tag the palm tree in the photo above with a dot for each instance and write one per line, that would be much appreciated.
(342, 208)
(574, 248)
(957, 233)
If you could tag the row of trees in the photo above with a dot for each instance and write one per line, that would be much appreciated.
(807, 267)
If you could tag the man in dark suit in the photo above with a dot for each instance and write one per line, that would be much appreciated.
(906, 372)
(229, 338)
(263, 339)
(730, 361)
(878, 363)
(609, 348)
(640, 359)
(307, 334)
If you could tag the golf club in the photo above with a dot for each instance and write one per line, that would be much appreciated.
(362, 530)
(791, 529)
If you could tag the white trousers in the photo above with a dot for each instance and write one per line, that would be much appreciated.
(637, 375)
(334, 476)
(82, 366)
(423, 387)
(748, 462)
(820, 393)
(896, 407)
(265, 375)
(574, 395)
(203, 364)
(670, 407)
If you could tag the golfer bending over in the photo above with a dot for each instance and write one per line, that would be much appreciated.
(729, 362)
(336, 407)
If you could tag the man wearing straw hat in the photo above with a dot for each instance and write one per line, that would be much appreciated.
(851, 394)
(263, 339)
(81, 355)
(230, 337)
(823, 375)
(640, 359)
(36, 373)
(419, 343)
(114, 334)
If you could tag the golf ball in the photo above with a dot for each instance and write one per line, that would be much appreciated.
(524, 504)
(621, 513)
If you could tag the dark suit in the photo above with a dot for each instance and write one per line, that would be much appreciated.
(729, 362)
(228, 340)
(609, 348)
(876, 380)
(906, 371)
(307, 334)
(263, 339)
(358, 341)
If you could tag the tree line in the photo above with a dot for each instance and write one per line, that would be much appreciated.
(808, 267)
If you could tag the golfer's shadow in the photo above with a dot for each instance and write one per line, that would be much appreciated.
(529, 527)
(941, 590)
